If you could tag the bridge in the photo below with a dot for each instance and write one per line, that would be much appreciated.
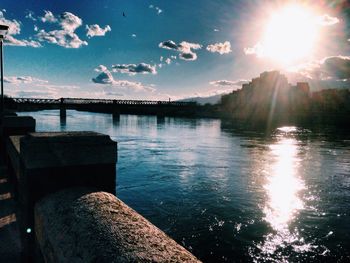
(99, 101)
(142, 107)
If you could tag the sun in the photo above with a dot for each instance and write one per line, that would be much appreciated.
(290, 35)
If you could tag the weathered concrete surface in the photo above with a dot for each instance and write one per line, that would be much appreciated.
(10, 247)
(79, 225)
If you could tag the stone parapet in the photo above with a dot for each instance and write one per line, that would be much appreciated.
(80, 225)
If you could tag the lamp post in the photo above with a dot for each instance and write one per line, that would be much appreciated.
(3, 31)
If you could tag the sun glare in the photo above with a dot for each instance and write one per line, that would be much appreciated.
(290, 34)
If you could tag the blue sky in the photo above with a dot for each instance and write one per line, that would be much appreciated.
(161, 49)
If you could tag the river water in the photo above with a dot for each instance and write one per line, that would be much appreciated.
(228, 194)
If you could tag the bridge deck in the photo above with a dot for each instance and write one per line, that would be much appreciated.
(80, 101)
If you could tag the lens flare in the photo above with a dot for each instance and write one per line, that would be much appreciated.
(290, 35)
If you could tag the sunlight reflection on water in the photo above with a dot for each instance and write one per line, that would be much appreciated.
(283, 186)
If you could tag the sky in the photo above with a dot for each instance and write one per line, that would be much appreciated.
(165, 49)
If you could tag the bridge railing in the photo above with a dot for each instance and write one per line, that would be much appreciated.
(100, 101)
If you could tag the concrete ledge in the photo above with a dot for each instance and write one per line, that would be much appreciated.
(18, 125)
(14, 125)
(56, 149)
(19, 121)
(79, 225)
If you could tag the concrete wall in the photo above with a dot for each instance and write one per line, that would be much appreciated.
(62, 176)
(44, 163)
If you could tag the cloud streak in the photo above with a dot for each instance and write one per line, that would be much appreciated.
(228, 83)
(133, 69)
(23, 79)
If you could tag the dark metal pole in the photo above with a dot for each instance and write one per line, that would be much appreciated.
(2, 78)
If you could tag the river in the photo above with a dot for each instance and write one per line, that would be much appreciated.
(229, 194)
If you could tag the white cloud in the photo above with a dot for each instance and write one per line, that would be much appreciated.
(15, 29)
(188, 56)
(70, 22)
(96, 30)
(168, 61)
(327, 20)
(228, 83)
(184, 48)
(133, 69)
(187, 46)
(133, 35)
(221, 48)
(66, 36)
(61, 38)
(216, 30)
(11, 41)
(329, 68)
(30, 15)
(48, 17)
(106, 78)
(14, 25)
(101, 68)
(158, 10)
(168, 44)
(257, 49)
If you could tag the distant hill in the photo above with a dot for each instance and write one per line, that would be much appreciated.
(204, 100)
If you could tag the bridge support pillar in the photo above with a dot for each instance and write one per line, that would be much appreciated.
(116, 117)
(63, 121)
(115, 112)
(160, 119)
(63, 110)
